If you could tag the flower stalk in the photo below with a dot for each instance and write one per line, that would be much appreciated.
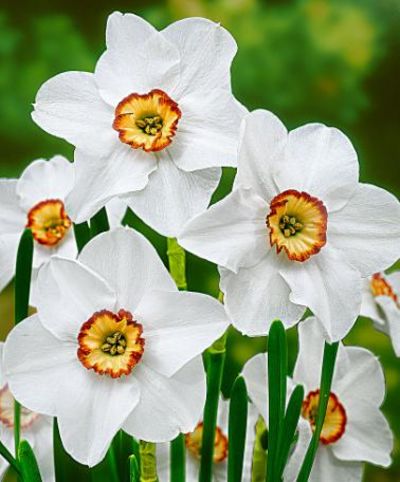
(177, 263)
(328, 367)
(148, 462)
(29, 467)
(237, 430)
(23, 275)
(177, 459)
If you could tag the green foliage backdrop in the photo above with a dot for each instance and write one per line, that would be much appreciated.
(333, 61)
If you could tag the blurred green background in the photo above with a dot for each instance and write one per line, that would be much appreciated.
(331, 61)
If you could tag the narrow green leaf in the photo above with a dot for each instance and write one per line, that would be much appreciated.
(277, 373)
(27, 461)
(134, 469)
(99, 223)
(6, 454)
(107, 469)
(289, 426)
(177, 260)
(328, 368)
(124, 446)
(216, 357)
(66, 468)
(82, 235)
(237, 430)
(23, 274)
(177, 459)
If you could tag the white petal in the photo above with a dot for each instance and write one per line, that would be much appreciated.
(65, 248)
(321, 161)
(173, 196)
(69, 106)
(328, 468)
(129, 263)
(367, 436)
(329, 287)
(101, 405)
(177, 327)
(43, 447)
(392, 313)
(99, 179)
(369, 307)
(296, 458)
(35, 362)
(69, 293)
(256, 296)
(208, 131)
(367, 229)
(116, 210)
(167, 406)
(263, 140)
(206, 52)
(394, 280)
(232, 233)
(44, 180)
(256, 375)
(12, 217)
(137, 60)
(2, 373)
(8, 257)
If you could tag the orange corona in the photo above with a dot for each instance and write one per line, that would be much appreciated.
(297, 224)
(111, 344)
(7, 411)
(49, 222)
(335, 419)
(193, 442)
(381, 287)
(148, 121)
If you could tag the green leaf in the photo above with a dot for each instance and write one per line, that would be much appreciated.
(6, 454)
(28, 464)
(82, 235)
(277, 373)
(177, 459)
(134, 469)
(99, 223)
(290, 425)
(237, 430)
(177, 261)
(216, 357)
(328, 368)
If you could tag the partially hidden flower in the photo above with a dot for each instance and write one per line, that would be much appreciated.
(381, 303)
(154, 122)
(37, 201)
(36, 429)
(113, 345)
(354, 431)
(193, 444)
(298, 230)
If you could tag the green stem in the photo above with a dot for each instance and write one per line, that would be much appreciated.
(177, 263)
(134, 469)
(328, 368)
(237, 430)
(29, 467)
(99, 223)
(216, 358)
(277, 373)
(6, 454)
(148, 462)
(82, 235)
(23, 275)
(177, 459)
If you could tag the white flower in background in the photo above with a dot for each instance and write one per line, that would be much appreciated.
(381, 303)
(193, 448)
(114, 345)
(36, 429)
(36, 200)
(355, 429)
(298, 230)
(155, 120)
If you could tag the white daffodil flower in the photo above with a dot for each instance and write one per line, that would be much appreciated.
(157, 118)
(355, 429)
(36, 429)
(381, 303)
(36, 200)
(113, 345)
(193, 448)
(298, 230)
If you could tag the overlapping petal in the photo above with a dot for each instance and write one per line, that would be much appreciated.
(12, 217)
(8, 257)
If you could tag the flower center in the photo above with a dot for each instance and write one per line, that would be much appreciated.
(381, 287)
(297, 224)
(7, 411)
(148, 121)
(194, 439)
(111, 344)
(49, 222)
(335, 419)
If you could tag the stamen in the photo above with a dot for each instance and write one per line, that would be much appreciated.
(289, 226)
